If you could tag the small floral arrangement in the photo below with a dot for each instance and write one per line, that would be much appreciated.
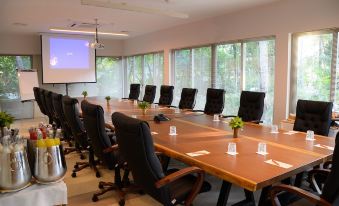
(143, 105)
(84, 93)
(5, 121)
(236, 122)
(108, 98)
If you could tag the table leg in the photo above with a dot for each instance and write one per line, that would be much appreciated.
(249, 199)
(224, 193)
(264, 196)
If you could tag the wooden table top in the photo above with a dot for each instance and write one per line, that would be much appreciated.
(196, 131)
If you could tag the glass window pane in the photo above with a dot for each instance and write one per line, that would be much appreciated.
(134, 71)
(9, 86)
(314, 56)
(228, 71)
(109, 76)
(201, 74)
(336, 98)
(154, 71)
(259, 62)
(182, 73)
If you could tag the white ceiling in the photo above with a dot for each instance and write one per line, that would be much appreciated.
(40, 15)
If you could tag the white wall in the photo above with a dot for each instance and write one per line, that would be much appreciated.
(31, 45)
(279, 19)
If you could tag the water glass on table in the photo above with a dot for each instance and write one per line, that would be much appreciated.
(173, 130)
(310, 135)
(232, 148)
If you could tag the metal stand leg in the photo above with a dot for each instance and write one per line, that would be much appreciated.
(224, 193)
(264, 197)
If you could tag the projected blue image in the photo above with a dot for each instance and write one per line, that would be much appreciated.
(69, 53)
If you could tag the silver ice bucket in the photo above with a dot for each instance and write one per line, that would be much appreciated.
(50, 164)
(14, 170)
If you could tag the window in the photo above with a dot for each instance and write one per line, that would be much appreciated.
(109, 76)
(146, 69)
(246, 65)
(192, 69)
(9, 85)
(259, 62)
(228, 72)
(314, 73)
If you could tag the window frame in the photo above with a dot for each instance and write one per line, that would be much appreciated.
(294, 67)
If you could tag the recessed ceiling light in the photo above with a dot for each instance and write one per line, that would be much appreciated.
(19, 24)
(87, 32)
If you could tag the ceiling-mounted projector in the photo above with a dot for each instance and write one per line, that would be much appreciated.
(97, 45)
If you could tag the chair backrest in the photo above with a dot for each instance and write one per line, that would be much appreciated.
(43, 101)
(94, 123)
(331, 188)
(57, 104)
(37, 97)
(149, 95)
(313, 115)
(215, 99)
(49, 103)
(166, 95)
(136, 146)
(71, 111)
(187, 100)
(134, 91)
(251, 105)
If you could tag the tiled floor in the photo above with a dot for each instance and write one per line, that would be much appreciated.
(81, 188)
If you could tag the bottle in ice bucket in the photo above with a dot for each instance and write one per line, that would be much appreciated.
(49, 140)
(40, 142)
(57, 137)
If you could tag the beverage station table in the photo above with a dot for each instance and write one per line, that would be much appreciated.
(37, 195)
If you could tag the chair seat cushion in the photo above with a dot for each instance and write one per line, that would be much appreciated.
(182, 187)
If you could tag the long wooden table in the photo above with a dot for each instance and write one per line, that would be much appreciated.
(247, 169)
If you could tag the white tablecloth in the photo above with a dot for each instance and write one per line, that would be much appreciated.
(37, 195)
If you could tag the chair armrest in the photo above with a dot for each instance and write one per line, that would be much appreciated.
(181, 173)
(111, 149)
(299, 192)
(124, 98)
(312, 175)
(328, 164)
(227, 116)
(256, 121)
(197, 110)
(108, 126)
(177, 175)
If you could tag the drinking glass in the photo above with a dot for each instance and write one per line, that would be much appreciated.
(216, 117)
(310, 135)
(232, 148)
(262, 149)
(274, 128)
(177, 110)
(135, 102)
(173, 130)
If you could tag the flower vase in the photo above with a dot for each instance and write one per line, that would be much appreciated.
(144, 111)
(235, 132)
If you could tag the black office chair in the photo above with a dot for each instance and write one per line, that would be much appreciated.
(149, 95)
(215, 99)
(66, 130)
(330, 190)
(166, 95)
(313, 115)
(50, 108)
(136, 146)
(37, 98)
(187, 100)
(70, 106)
(251, 106)
(44, 104)
(134, 92)
(94, 122)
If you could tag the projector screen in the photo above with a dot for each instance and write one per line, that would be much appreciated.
(67, 59)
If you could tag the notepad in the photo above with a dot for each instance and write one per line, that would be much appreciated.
(232, 153)
(198, 153)
(290, 132)
(262, 153)
(279, 164)
(324, 147)
(153, 133)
